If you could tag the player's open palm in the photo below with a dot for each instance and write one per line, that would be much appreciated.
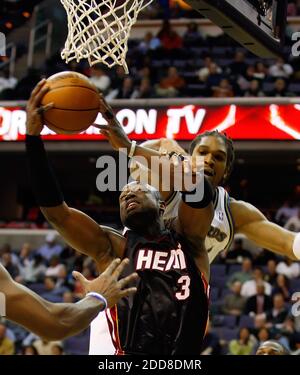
(34, 122)
(108, 283)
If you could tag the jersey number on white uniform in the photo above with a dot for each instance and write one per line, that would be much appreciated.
(184, 291)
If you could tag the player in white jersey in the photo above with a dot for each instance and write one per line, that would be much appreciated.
(221, 233)
(218, 153)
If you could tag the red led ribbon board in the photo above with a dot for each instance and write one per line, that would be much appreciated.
(267, 122)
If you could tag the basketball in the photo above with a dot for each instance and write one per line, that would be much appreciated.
(76, 103)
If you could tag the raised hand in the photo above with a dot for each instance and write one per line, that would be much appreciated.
(108, 284)
(113, 131)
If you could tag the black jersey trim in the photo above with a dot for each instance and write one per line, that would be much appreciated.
(229, 218)
(216, 198)
(171, 198)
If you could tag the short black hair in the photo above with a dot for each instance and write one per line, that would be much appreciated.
(229, 148)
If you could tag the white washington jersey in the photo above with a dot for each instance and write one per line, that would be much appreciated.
(221, 232)
(218, 239)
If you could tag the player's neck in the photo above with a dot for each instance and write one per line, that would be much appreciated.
(153, 230)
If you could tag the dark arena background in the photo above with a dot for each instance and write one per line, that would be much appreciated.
(218, 68)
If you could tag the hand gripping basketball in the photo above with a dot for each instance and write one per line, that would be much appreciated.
(34, 122)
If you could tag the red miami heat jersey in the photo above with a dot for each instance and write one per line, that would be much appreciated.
(169, 312)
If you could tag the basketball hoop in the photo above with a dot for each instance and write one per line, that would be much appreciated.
(98, 30)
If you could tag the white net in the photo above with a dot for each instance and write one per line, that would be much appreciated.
(98, 30)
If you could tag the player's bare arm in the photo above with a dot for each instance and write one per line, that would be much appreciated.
(56, 321)
(77, 229)
(252, 223)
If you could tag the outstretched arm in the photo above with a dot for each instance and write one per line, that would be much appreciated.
(77, 229)
(56, 321)
(253, 224)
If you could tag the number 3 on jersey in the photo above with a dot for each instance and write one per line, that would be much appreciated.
(184, 291)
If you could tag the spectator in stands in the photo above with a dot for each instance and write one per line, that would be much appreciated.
(280, 88)
(262, 335)
(254, 89)
(144, 90)
(244, 275)
(6, 248)
(7, 346)
(54, 267)
(282, 286)
(285, 212)
(211, 343)
(25, 254)
(169, 38)
(7, 262)
(214, 78)
(34, 271)
(288, 327)
(277, 315)
(281, 69)
(145, 72)
(249, 287)
(244, 345)
(259, 322)
(289, 331)
(260, 302)
(126, 90)
(63, 279)
(271, 274)
(238, 67)
(223, 90)
(234, 303)
(149, 43)
(238, 252)
(25, 261)
(204, 72)
(293, 223)
(29, 350)
(51, 247)
(260, 71)
(52, 293)
(192, 36)
(100, 79)
(288, 268)
(172, 85)
(118, 77)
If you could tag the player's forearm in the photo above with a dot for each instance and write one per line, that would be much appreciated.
(73, 318)
(271, 236)
(52, 321)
